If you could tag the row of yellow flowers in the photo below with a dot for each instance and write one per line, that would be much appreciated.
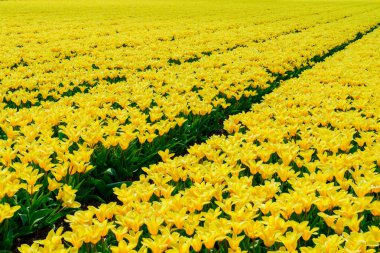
(34, 72)
(299, 172)
(30, 143)
(91, 118)
(34, 135)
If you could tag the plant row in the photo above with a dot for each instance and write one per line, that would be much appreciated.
(47, 77)
(298, 172)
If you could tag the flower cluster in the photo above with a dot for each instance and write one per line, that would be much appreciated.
(60, 100)
(299, 172)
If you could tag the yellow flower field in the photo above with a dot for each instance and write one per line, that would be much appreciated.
(203, 126)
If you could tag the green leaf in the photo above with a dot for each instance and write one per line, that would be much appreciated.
(56, 216)
(38, 200)
(24, 218)
(118, 184)
(7, 241)
(23, 231)
(110, 171)
(95, 197)
(38, 215)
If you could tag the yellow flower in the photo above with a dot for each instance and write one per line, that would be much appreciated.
(303, 229)
(177, 218)
(132, 237)
(31, 189)
(60, 170)
(339, 225)
(253, 229)
(67, 195)
(234, 241)
(7, 155)
(238, 250)
(155, 113)
(77, 166)
(132, 219)
(180, 121)
(213, 231)
(6, 211)
(153, 223)
(290, 240)
(156, 243)
(196, 243)
(362, 187)
(331, 242)
(356, 242)
(104, 211)
(119, 233)
(81, 217)
(275, 223)
(269, 236)
(53, 184)
(191, 223)
(354, 223)
(29, 249)
(373, 236)
(53, 241)
(123, 247)
(74, 238)
(375, 208)
(182, 245)
(166, 191)
(165, 156)
(30, 175)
